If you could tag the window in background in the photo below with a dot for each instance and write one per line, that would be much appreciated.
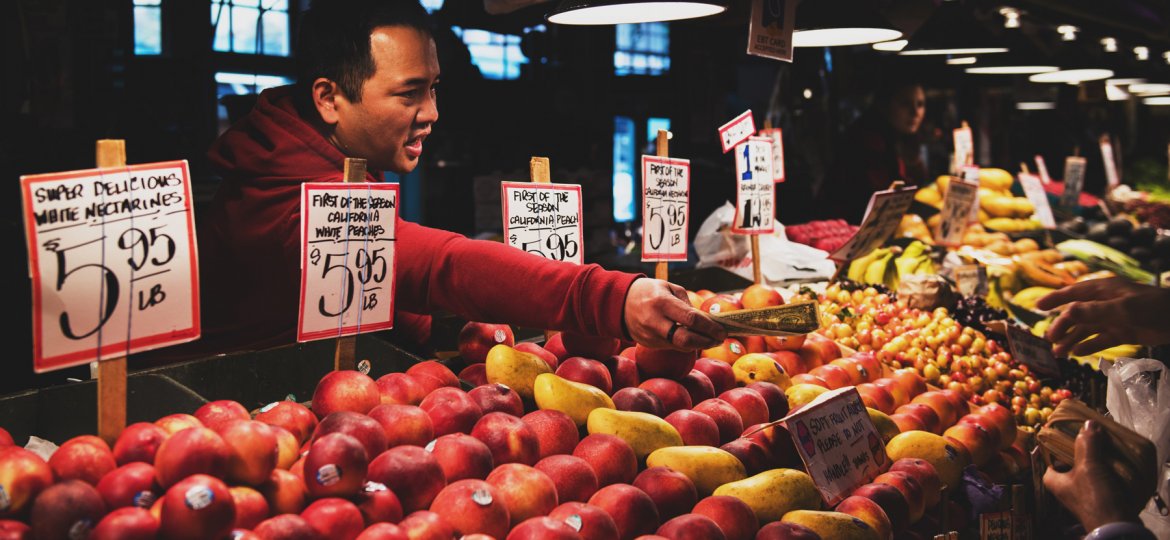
(497, 56)
(623, 169)
(241, 84)
(652, 127)
(251, 26)
(147, 27)
(642, 49)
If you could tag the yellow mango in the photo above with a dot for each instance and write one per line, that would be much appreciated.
(707, 467)
(948, 460)
(756, 367)
(516, 369)
(644, 432)
(835, 525)
(801, 394)
(883, 423)
(570, 397)
(773, 493)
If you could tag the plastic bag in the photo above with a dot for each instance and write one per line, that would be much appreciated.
(1138, 396)
(780, 260)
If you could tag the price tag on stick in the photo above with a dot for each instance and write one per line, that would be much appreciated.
(882, 217)
(1034, 191)
(665, 208)
(956, 211)
(1042, 168)
(964, 148)
(737, 130)
(777, 138)
(755, 190)
(1074, 181)
(770, 29)
(1112, 178)
(1032, 351)
(544, 219)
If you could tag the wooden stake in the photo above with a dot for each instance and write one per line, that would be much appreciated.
(756, 273)
(539, 173)
(1024, 168)
(345, 352)
(662, 149)
(111, 374)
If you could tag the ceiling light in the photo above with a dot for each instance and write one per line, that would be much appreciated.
(596, 12)
(841, 37)
(1073, 76)
(1150, 89)
(1035, 105)
(1010, 70)
(1114, 92)
(1067, 32)
(1011, 17)
(1124, 82)
(1166, 56)
(962, 61)
(891, 46)
(1109, 43)
(1141, 53)
(839, 23)
(807, 93)
(1162, 100)
(951, 30)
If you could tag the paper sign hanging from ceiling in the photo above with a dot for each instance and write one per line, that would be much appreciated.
(770, 30)
(113, 262)
(756, 191)
(347, 258)
(666, 205)
(544, 219)
(737, 130)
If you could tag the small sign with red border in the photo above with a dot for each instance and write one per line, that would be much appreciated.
(737, 130)
(838, 443)
(666, 208)
(755, 204)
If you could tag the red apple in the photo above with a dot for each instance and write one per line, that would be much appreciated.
(792, 363)
(623, 371)
(526, 491)
(286, 527)
(755, 458)
(86, 458)
(725, 415)
(410, 472)
(573, 477)
(451, 411)
(876, 397)
(698, 385)
(892, 502)
(401, 389)
(924, 414)
(334, 518)
(774, 396)
(499, 398)
(383, 531)
(377, 504)
(638, 400)
(509, 439)
(733, 516)
(911, 491)
(426, 525)
(632, 509)
(785, 343)
(870, 512)
(591, 522)
(556, 433)
(290, 415)
(477, 338)
(835, 376)
(673, 492)
(665, 363)
(403, 424)
(252, 451)
(750, 404)
(695, 428)
(586, 371)
(440, 375)
(66, 510)
(216, 414)
(474, 374)
(188, 452)
(691, 527)
(365, 429)
(720, 374)
(285, 492)
(544, 354)
(132, 484)
(760, 295)
(251, 507)
(543, 528)
(174, 423)
(462, 456)
(673, 395)
(721, 303)
(472, 506)
(925, 474)
(612, 458)
(198, 506)
(335, 466)
(138, 442)
(345, 391)
(129, 523)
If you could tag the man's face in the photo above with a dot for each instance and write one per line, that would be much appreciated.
(398, 103)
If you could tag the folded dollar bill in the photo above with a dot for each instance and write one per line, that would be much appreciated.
(786, 320)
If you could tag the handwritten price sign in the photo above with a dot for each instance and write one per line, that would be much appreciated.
(112, 260)
(1074, 181)
(666, 204)
(544, 219)
(956, 211)
(837, 442)
(347, 258)
(756, 191)
(881, 220)
(964, 148)
(777, 137)
(1032, 351)
(1034, 190)
(737, 130)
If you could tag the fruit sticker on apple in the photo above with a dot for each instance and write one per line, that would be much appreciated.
(544, 219)
(755, 191)
(666, 207)
(838, 443)
(347, 259)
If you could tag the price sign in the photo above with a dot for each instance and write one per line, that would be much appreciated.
(756, 192)
(1032, 351)
(770, 29)
(956, 210)
(964, 148)
(347, 258)
(836, 440)
(1034, 191)
(995, 526)
(737, 130)
(1042, 168)
(971, 279)
(666, 207)
(970, 173)
(1112, 178)
(113, 263)
(882, 217)
(777, 138)
(544, 219)
(1074, 181)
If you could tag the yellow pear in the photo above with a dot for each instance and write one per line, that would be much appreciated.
(516, 369)
(835, 525)
(883, 423)
(801, 394)
(948, 460)
(708, 467)
(644, 432)
(570, 397)
(756, 367)
(773, 493)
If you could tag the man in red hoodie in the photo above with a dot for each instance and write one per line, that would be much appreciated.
(368, 73)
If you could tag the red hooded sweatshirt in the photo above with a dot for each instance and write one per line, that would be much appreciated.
(249, 250)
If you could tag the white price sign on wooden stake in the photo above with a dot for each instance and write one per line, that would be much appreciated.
(777, 137)
(666, 207)
(1034, 191)
(770, 29)
(737, 130)
(838, 443)
(347, 258)
(1112, 178)
(970, 173)
(544, 219)
(1074, 181)
(1042, 168)
(756, 191)
(113, 262)
(882, 217)
(956, 211)
(964, 148)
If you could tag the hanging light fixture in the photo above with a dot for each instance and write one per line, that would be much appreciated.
(1067, 32)
(1077, 65)
(1011, 17)
(1109, 44)
(1021, 60)
(839, 23)
(1142, 53)
(951, 30)
(890, 46)
(1035, 105)
(1072, 76)
(962, 61)
(1160, 100)
(1149, 89)
(598, 12)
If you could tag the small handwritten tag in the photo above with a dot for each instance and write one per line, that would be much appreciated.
(756, 191)
(544, 219)
(1032, 351)
(964, 148)
(1112, 178)
(1042, 168)
(837, 442)
(737, 130)
(1034, 191)
(882, 217)
(971, 279)
(970, 174)
(961, 196)
(770, 30)
(995, 526)
(666, 204)
(777, 138)
(1074, 181)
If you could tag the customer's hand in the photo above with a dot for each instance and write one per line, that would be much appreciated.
(1091, 490)
(654, 306)
(1117, 310)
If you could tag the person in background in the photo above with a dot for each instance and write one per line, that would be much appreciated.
(880, 147)
(1102, 313)
(367, 88)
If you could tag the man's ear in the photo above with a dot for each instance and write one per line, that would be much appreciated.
(326, 94)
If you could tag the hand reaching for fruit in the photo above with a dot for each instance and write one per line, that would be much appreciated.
(1117, 310)
(653, 307)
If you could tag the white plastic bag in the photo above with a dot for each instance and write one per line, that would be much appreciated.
(1138, 397)
(780, 260)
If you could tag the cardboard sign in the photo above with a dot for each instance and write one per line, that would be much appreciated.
(964, 148)
(544, 219)
(770, 29)
(777, 138)
(1112, 178)
(956, 211)
(112, 260)
(737, 131)
(1034, 191)
(1032, 351)
(971, 279)
(836, 440)
(1042, 168)
(970, 174)
(995, 526)
(666, 208)
(755, 200)
(1074, 181)
(882, 217)
(348, 234)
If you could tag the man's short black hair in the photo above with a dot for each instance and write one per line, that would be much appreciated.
(334, 39)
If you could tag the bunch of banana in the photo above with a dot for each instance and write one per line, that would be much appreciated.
(914, 260)
(861, 268)
(1008, 224)
(888, 265)
(1039, 268)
